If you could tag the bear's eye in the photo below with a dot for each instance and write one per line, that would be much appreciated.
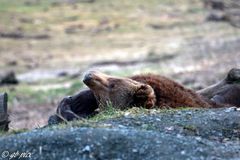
(111, 85)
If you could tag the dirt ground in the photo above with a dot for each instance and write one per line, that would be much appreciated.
(30, 116)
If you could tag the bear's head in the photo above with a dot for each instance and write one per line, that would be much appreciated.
(120, 92)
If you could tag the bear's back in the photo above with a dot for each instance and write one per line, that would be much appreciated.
(171, 94)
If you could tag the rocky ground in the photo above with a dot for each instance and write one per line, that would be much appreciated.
(169, 134)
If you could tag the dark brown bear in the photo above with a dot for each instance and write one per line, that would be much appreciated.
(142, 91)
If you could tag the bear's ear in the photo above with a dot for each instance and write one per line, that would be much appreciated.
(144, 96)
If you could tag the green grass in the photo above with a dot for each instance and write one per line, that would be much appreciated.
(107, 112)
(13, 132)
(24, 6)
(25, 93)
(110, 113)
(116, 11)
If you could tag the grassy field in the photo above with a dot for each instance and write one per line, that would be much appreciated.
(105, 29)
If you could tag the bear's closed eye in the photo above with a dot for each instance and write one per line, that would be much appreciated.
(112, 85)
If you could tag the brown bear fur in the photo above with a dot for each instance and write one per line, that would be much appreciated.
(142, 90)
(147, 91)
(171, 94)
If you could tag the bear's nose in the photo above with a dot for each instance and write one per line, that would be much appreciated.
(87, 78)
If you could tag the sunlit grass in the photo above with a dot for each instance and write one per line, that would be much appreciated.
(101, 119)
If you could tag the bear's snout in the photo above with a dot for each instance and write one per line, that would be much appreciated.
(94, 78)
(87, 78)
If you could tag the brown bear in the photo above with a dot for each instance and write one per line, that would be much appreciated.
(147, 91)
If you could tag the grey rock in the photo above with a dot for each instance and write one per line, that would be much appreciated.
(171, 134)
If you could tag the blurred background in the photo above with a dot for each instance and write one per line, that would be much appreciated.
(47, 45)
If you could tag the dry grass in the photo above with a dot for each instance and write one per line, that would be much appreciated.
(103, 29)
